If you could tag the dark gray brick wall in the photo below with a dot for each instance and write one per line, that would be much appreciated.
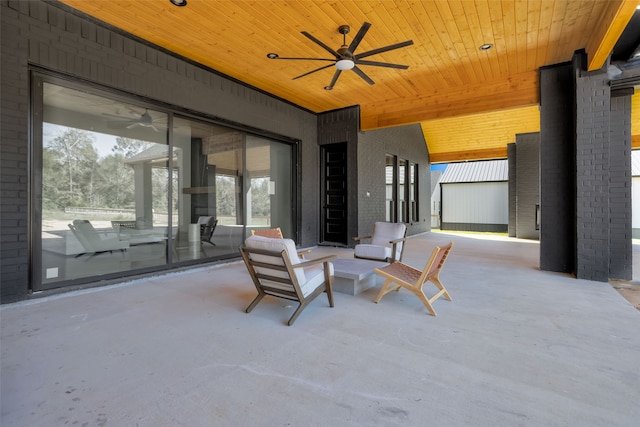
(620, 233)
(512, 156)
(557, 169)
(343, 126)
(527, 184)
(14, 178)
(593, 175)
(406, 142)
(49, 36)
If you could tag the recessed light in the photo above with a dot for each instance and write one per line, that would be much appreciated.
(178, 2)
(486, 46)
(272, 55)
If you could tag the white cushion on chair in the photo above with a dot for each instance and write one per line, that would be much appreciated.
(380, 248)
(276, 245)
(365, 250)
(315, 277)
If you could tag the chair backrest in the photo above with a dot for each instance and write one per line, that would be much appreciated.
(272, 263)
(207, 226)
(85, 233)
(438, 257)
(274, 233)
(383, 232)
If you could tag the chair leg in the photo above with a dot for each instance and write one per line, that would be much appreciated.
(436, 281)
(420, 294)
(254, 302)
(301, 307)
(385, 291)
(330, 293)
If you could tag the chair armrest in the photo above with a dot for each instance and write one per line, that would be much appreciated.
(361, 238)
(315, 261)
(395, 241)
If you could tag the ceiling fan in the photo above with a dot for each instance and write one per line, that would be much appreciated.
(345, 56)
(144, 120)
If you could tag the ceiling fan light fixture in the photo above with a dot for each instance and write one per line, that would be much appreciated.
(178, 3)
(345, 64)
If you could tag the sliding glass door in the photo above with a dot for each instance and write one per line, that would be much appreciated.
(120, 188)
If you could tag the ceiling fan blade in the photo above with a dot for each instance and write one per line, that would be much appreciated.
(381, 64)
(334, 79)
(319, 43)
(364, 77)
(358, 38)
(384, 49)
(313, 71)
(309, 59)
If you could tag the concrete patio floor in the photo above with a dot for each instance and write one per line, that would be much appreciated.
(516, 347)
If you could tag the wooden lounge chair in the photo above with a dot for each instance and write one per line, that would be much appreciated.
(276, 270)
(405, 276)
(386, 242)
(276, 233)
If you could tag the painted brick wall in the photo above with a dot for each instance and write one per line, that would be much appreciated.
(527, 184)
(592, 175)
(557, 169)
(620, 233)
(343, 126)
(406, 142)
(52, 37)
(512, 157)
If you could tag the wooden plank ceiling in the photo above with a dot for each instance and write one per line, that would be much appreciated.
(469, 102)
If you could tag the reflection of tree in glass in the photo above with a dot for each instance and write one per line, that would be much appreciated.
(72, 159)
(260, 204)
(226, 195)
(130, 147)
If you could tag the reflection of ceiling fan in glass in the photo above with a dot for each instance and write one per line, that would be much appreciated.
(144, 120)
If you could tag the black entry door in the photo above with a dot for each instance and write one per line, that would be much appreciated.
(334, 206)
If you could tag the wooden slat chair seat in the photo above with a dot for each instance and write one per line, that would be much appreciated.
(412, 279)
(276, 270)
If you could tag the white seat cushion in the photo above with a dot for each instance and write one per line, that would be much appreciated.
(380, 248)
(366, 250)
(276, 245)
(315, 277)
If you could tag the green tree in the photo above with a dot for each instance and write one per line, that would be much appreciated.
(73, 154)
(129, 147)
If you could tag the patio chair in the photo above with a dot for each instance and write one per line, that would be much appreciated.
(387, 242)
(276, 270)
(207, 227)
(276, 233)
(412, 279)
(94, 243)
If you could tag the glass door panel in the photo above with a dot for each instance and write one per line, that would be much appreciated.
(101, 207)
(269, 183)
(208, 204)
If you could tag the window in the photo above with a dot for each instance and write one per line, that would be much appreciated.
(402, 197)
(125, 188)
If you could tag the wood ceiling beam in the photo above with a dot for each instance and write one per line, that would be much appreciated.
(460, 156)
(516, 91)
(612, 24)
